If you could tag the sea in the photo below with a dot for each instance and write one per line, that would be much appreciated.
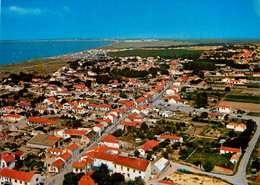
(19, 51)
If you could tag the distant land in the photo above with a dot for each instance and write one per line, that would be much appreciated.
(54, 64)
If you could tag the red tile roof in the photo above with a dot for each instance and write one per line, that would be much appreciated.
(37, 120)
(58, 163)
(138, 164)
(54, 150)
(53, 138)
(230, 149)
(170, 137)
(81, 164)
(65, 156)
(19, 153)
(76, 132)
(7, 157)
(73, 147)
(18, 175)
(149, 144)
(110, 139)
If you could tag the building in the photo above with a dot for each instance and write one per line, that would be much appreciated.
(111, 141)
(148, 146)
(226, 150)
(129, 167)
(44, 141)
(236, 127)
(173, 139)
(7, 161)
(226, 109)
(73, 149)
(8, 176)
(160, 165)
(79, 167)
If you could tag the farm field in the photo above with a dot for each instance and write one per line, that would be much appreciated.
(242, 98)
(166, 53)
(215, 159)
(252, 107)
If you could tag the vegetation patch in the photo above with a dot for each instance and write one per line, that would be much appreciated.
(241, 98)
(167, 53)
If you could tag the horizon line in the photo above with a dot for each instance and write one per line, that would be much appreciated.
(135, 39)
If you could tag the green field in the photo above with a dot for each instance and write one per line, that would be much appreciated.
(49, 66)
(241, 98)
(216, 159)
(167, 53)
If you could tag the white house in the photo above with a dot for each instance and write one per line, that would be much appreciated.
(112, 143)
(129, 167)
(173, 139)
(99, 128)
(8, 176)
(7, 161)
(226, 109)
(226, 150)
(236, 127)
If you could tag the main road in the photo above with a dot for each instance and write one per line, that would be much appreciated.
(58, 178)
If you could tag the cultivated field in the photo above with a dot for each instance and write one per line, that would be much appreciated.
(252, 107)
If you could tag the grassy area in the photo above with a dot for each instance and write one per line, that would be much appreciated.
(144, 43)
(49, 66)
(241, 98)
(216, 159)
(167, 53)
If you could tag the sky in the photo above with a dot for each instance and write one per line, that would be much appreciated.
(72, 19)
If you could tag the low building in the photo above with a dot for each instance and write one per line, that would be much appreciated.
(148, 146)
(226, 150)
(160, 165)
(8, 176)
(7, 161)
(129, 167)
(44, 141)
(226, 109)
(173, 139)
(236, 127)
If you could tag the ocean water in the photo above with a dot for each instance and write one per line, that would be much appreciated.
(19, 51)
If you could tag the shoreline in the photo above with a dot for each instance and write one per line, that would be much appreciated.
(57, 56)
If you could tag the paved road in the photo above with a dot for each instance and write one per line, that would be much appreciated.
(58, 179)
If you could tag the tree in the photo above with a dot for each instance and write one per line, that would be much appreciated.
(137, 153)
(39, 70)
(72, 178)
(144, 126)
(201, 74)
(208, 166)
(201, 99)
(101, 175)
(103, 79)
(204, 115)
(227, 88)
(116, 178)
(166, 154)
(137, 181)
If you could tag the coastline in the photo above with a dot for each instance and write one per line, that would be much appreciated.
(50, 64)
